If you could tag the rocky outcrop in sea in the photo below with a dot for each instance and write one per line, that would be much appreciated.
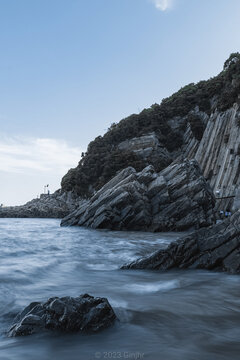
(56, 205)
(215, 248)
(177, 198)
(67, 314)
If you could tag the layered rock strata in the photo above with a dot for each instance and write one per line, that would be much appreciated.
(218, 154)
(148, 148)
(216, 248)
(177, 198)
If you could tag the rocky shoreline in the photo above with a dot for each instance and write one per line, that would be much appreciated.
(215, 248)
(56, 205)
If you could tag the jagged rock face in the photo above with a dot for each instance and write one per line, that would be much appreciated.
(218, 153)
(56, 205)
(215, 248)
(191, 123)
(177, 198)
(141, 143)
(149, 149)
(84, 313)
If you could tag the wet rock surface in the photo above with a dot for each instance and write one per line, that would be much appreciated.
(67, 314)
(177, 198)
(214, 248)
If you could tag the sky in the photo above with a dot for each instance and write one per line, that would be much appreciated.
(70, 68)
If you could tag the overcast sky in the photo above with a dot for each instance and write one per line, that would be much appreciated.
(70, 68)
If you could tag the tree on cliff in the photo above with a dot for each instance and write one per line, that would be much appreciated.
(103, 159)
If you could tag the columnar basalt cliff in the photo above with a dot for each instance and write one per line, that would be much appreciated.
(218, 153)
(177, 198)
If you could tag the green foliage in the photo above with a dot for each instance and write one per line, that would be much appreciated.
(97, 169)
(103, 159)
(231, 60)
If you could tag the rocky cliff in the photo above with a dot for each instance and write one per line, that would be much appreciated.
(177, 198)
(201, 121)
(218, 154)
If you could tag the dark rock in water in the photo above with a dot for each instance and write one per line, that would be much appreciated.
(56, 205)
(215, 248)
(84, 313)
(177, 198)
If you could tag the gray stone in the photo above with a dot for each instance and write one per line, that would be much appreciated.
(213, 248)
(84, 313)
(56, 205)
(148, 148)
(177, 198)
(218, 155)
(156, 186)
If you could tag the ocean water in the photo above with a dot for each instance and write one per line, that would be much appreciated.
(172, 315)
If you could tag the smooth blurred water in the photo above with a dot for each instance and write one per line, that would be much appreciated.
(172, 315)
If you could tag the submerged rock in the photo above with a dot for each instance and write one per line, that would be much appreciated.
(177, 198)
(216, 248)
(84, 313)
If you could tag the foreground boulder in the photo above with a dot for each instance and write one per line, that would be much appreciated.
(84, 313)
(216, 248)
(177, 198)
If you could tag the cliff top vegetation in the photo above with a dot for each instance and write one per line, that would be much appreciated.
(103, 158)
